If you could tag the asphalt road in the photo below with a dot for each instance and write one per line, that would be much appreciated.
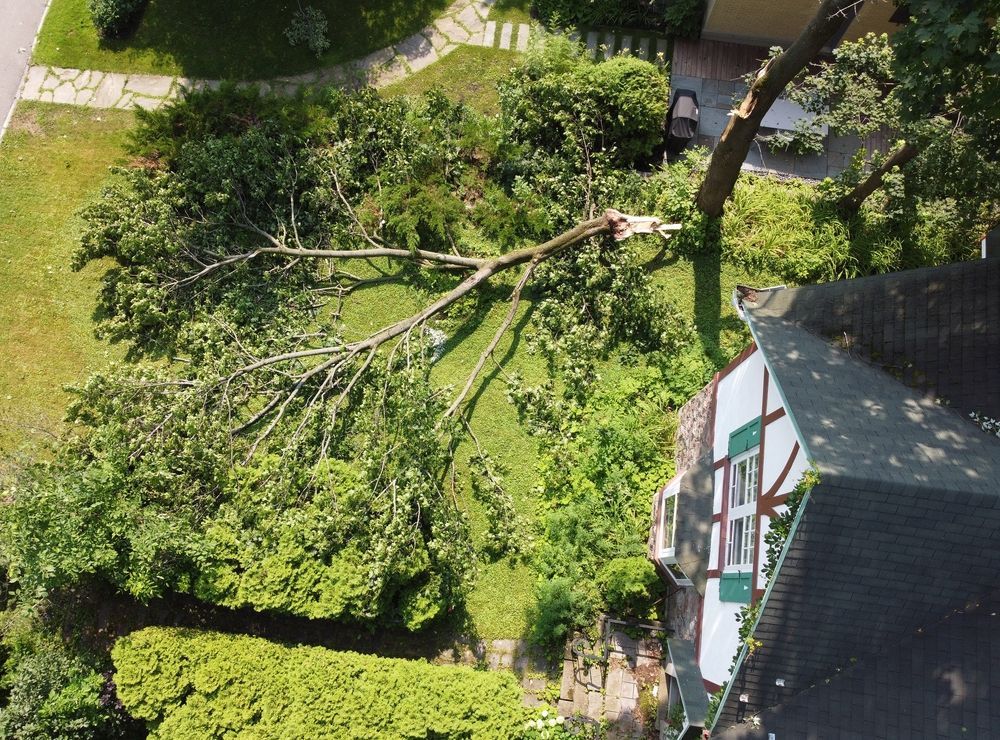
(19, 21)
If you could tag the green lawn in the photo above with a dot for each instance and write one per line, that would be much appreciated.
(52, 160)
(513, 11)
(451, 74)
(224, 39)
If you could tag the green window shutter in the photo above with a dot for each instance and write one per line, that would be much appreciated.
(745, 438)
(735, 587)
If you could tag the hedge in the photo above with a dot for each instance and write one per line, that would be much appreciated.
(193, 684)
(112, 17)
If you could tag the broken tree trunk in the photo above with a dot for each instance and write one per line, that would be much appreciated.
(770, 82)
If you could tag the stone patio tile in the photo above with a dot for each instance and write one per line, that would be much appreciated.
(148, 103)
(471, 20)
(490, 33)
(66, 74)
(65, 93)
(126, 102)
(506, 31)
(713, 121)
(523, 34)
(438, 40)
(33, 82)
(150, 86)
(609, 45)
(109, 91)
(453, 30)
(375, 59)
(394, 71)
(417, 52)
(84, 97)
(661, 50)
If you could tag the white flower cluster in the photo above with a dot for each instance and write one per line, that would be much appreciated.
(986, 423)
(545, 724)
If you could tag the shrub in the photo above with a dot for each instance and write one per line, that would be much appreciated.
(113, 17)
(559, 608)
(186, 683)
(559, 101)
(309, 27)
(629, 586)
(53, 695)
(677, 17)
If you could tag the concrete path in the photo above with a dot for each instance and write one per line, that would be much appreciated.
(464, 22)
(19, 22)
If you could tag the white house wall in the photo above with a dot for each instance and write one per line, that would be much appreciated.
(739, 400)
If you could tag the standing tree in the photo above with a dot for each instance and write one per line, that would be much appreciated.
(944, 64)
(770, 82)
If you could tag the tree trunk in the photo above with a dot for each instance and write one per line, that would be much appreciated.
(770, 82)
(851, 202)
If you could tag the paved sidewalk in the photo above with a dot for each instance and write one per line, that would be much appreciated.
(464, 22)
(19, 21)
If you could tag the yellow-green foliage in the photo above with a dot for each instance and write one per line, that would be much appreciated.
(193, 684)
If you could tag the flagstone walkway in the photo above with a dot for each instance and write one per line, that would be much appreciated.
(464, 22)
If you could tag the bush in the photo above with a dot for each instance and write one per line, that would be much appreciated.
(309, 27)
(558, 610)
(629, 586)
(113, 17)
(186, 683)
(677, 17)
(52, 696)
(559, 101)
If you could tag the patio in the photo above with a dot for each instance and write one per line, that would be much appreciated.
(714, 70)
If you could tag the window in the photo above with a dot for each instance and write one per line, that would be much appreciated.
(743, 486)
(668, 523)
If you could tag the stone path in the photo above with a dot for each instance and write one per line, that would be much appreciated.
(527, 663)
(605, 687)
(464, 22)
(605, 44)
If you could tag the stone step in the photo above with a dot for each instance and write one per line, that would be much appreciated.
(489, 33)
(505, 34)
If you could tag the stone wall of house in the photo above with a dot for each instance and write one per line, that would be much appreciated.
(694, 428)
(681, 613)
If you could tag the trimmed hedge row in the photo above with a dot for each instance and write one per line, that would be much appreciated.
(193, 684)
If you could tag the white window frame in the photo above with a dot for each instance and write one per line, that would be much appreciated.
(669, 499)
(668, 553)
(742, 516)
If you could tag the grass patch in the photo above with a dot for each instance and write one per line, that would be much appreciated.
(219, 39)
(511, 11)
(453, 75)
(52, 160)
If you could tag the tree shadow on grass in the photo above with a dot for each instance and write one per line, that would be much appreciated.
(220, 39)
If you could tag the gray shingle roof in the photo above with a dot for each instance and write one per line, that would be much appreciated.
(936, 326)
(941, 683)
(904, 527)
(693, 530)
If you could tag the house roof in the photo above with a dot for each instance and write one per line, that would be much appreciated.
(936, 327)
(693, 528)
(943, 682)
(688, 675)
(904, 527)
